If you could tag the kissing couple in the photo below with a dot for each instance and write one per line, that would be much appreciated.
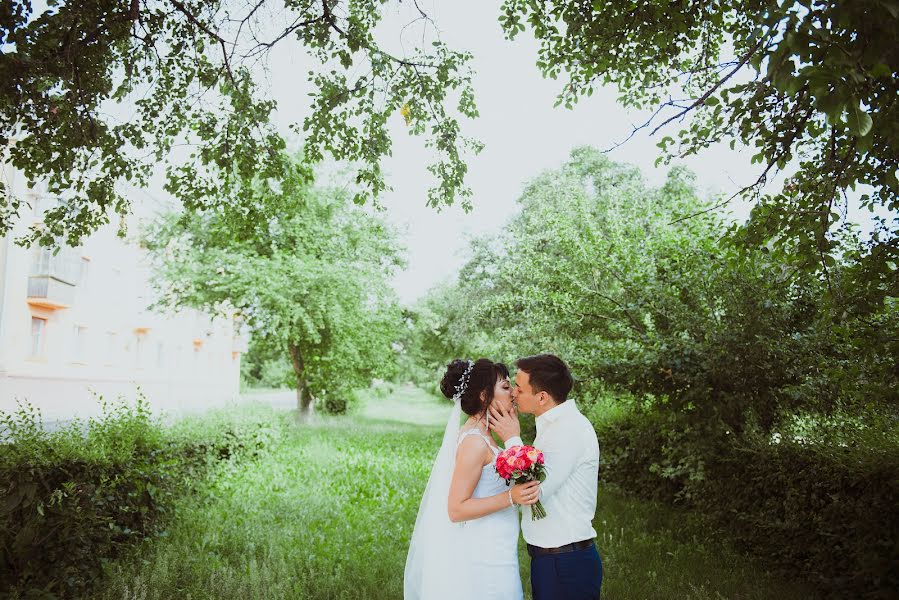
(465, 542)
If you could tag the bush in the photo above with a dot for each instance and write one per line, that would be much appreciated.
(338, 402)
(75, 497)
(825, 512)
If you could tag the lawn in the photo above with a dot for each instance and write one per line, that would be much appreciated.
(329, 513)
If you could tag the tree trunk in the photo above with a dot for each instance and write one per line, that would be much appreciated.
(304, 399)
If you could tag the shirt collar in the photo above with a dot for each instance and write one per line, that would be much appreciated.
(556, 412)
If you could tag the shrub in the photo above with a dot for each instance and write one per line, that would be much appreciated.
(825, 512)
(338, 402)
(74, 497)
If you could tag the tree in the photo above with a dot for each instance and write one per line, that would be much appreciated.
(438, 328)
(595, 269)
(312, 284)
(188, 70)
(813, 82)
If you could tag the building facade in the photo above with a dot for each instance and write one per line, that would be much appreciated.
(75, 326)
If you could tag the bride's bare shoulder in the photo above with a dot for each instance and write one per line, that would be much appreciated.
(472, 449)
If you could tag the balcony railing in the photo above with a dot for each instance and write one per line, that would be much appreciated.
(65, 266)
(50, 292)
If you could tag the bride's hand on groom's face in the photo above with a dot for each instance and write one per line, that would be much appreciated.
(504, 423)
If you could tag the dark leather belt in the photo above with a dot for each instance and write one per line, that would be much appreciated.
(537, 550)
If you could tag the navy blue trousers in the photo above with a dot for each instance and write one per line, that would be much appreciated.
(568, 576)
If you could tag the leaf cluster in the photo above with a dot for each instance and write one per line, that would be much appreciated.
(310, 284)
(97, 93)
(810, 83)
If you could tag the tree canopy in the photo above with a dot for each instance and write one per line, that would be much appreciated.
(595, 269)
(810, 85)
(311, 285)
(187, 73)
(812, 82)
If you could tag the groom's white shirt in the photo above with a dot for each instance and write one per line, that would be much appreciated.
(571, 454)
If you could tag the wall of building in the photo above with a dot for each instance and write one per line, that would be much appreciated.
(77, 325)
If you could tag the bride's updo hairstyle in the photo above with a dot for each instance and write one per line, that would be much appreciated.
(483, 378)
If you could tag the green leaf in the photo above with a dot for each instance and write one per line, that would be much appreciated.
(864, 143)
(819, 80)
(859, 121)
(793, 86)
(892, 181)
(832, 106)
(11, 502)
(880, 70)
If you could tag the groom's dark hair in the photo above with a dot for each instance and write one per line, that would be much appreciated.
(547, 373)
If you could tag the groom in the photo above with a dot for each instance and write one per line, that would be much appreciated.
(565, 564)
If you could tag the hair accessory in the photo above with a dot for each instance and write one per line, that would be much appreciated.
(463, 383)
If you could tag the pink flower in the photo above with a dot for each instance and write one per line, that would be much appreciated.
(519, 464)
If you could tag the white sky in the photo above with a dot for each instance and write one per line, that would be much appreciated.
(523, 135)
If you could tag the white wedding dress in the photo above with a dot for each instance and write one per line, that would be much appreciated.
(472, 560)
(492, 541)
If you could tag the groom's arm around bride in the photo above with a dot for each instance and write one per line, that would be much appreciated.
(565, 564)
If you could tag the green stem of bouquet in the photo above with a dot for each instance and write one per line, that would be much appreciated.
(537, 511)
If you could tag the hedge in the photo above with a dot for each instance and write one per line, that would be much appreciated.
(76, 497)
(824, 513)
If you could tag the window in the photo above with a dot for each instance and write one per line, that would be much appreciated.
(62, 265)
(41, 203)
(35, 201)
(111, 346)
(139, 340)
(85, 269)
(198, 344)
(41, 265)
(79, 342)
(38, 329)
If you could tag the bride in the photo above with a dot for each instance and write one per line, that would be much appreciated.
(465, 541)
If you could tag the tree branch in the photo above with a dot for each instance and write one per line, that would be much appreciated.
(203, 27)
(762, 179)
(714, 88)
(329, 17)
(292, 28)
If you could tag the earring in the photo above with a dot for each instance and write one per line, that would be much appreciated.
(488, 420)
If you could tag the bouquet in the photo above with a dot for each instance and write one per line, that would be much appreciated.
(521, 464)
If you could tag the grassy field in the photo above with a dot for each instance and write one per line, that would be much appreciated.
(330, 512)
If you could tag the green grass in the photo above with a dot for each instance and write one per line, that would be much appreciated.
(330, 512)
(650, 551)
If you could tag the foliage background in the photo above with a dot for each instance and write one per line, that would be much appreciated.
(718, 378)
